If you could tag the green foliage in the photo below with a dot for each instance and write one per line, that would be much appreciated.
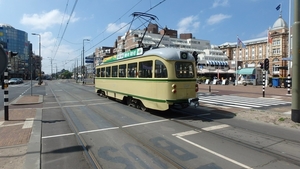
(282, 119)
(66, 74)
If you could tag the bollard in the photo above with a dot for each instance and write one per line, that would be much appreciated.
(263, 89)
(209, 88)
(6, 101)
(289, 84)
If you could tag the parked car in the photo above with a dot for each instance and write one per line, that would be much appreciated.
(14, 81)
(20, 80)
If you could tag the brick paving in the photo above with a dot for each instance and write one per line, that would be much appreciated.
(14, 139)
(11, 131)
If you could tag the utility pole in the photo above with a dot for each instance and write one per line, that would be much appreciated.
(296, 67)
(83, 68)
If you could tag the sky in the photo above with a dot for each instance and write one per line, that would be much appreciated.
(63, 24)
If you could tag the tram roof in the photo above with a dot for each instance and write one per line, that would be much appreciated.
(168, 53)
(165, 53)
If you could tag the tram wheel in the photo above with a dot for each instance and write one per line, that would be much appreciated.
(129, 101)
(102, 94)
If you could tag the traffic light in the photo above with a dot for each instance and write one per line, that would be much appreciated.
(261, 65)
(266, 63)
(195, 54)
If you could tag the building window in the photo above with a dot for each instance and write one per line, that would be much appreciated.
(275, 69)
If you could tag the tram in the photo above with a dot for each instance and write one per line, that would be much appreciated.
(157, 79)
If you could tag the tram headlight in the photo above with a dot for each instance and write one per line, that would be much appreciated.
(183, 55)
(174, 88)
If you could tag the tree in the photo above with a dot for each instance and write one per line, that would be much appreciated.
(66, 74)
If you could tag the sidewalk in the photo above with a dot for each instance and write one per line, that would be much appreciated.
(20, 135)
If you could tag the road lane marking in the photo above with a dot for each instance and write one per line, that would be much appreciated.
(92, 104)
(60, 135)
(215, 153)
(138, 124)
(215, 127)
(91, 131)
(186, 133)
(28, 123)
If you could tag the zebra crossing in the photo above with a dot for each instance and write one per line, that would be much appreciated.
(19, 85)
(228, 101)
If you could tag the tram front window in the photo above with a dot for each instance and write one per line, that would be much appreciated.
(184, 70)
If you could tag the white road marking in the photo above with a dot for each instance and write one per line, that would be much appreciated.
(101, 103)
(215, 127)
(60, 135)
(28, 123)
(186, 133)
(69, 101)
(91, 100)
(215, 153)
(1, 122)
(15, 124)
(105, 129)
(217, 104)
(138, 124)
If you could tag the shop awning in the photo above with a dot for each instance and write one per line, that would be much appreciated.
(246, 71)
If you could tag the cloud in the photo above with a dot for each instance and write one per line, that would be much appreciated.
(188, 24)
(112, 27)
(220, 3)
(46, 20)
(214, 19)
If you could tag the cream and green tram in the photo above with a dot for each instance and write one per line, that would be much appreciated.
(156, 79)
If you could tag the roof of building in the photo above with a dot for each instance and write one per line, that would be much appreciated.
(5, 25)
(279, 23)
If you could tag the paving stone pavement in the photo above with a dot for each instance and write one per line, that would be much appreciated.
(18, 136)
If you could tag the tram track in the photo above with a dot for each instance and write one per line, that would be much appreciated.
(90, 156)
(154, 150)
(262, 150)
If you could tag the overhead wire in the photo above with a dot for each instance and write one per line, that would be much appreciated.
(63, 18)
(92, 47)
(124, 26)
(66, 27)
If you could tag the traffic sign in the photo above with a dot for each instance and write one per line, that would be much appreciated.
(89, 61)
(4, 60)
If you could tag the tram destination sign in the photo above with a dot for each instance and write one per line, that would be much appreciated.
(4, 60)
(124, 55)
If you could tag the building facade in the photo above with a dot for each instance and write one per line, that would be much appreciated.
(16, 40)
(275, 47)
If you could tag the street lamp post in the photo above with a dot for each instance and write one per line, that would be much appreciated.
(40, 68)
(82, 68)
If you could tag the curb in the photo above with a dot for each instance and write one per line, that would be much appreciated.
(33, 154)
(15, 102)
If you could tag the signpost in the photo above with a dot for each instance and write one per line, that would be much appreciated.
(89, 60)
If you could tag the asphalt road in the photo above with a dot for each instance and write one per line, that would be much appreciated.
(15, 90)
(83, 130)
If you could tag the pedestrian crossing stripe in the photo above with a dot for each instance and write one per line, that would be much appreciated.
(240, 102)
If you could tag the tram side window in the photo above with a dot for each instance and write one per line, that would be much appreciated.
(122, 70)
(184, 69)
(114, 71)
(102, 72)
(145, 69)
(160, 70)
(98, 72)
(108, 71)
(132, 70)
